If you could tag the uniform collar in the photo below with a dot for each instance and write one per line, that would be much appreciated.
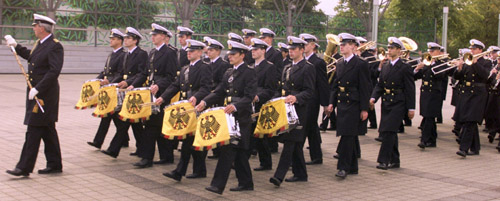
(44, 39)
(348, 58)
(237, 66)
(268, 48)
(393, 62)
(293, 63)
(194, 63)
(132, 50)
(117, 49)
(309, 56)
(158, 48)
(213, 61)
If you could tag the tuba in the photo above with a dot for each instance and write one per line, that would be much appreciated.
(330, 51)
(410, 46)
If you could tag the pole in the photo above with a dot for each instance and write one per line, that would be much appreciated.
(498, 43)
(445, 28)
(376, 5)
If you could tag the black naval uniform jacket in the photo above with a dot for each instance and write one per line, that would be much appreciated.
(298, 80)
(372, 66)
(275, 57)
(431, 91)
(267, 82)
(192, 81)
(133, 63)
(183, 59)
(493, 105)
(111, 70)
(248, 58)
(322, 92)
(396, 86)
(162, 66)
(45, 62)
(218, 68)
(238, 87)
(473, 95)
(351, 95)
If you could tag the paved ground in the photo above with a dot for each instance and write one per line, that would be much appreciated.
(436, 173)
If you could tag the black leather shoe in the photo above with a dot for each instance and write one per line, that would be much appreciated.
(383, 166)
(254, 152)
(322, 128)
(275, 181)
(242, 188)
(332, 128)
(491, 138)
(173, 175)
(472, 153)
(163, 161)
(421, 145)
(430, 144)
(295, 179)
(462, 153)
(315, 162)
(261, 168)
(457, 140)
(214, 189)
(49, 170)
(18, 172)
(498, 148)
(144, 163)
(336, 156)
(109, 153)
(341, 174)
(353, 172)
(401, 130)
(439, 120)
(94, 145)
(195, 175)
(213, 157)
(134, 153)
(379, 139)
(393, 165)
(372, 127)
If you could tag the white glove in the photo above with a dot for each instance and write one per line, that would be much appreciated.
(33, 93)
(10, 41)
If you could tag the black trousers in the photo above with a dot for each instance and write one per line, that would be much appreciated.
(292, 154)
(348, 160)
(52, 150)
(229, 155)
(121, 136)
(429, 130)
(102, 131)
(469, 137)
(357, 146)
(312, 132)
(263, 149)
(152, 137)
(199, 166)
(372, 118)
(332, 119)
(389, 151)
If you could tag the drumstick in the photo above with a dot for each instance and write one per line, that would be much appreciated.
(26, 77)
(255, 114)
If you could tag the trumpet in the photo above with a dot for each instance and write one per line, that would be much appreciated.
(427, 59)
(468, 59)
(367, 45)
(380, 56)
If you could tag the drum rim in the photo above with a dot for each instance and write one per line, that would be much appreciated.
(176, 103)
(91, 80)
(109, 85)
(212, 109)
(140, 88)
(274, 99)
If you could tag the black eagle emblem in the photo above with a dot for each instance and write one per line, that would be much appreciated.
(178, 118)
(268, 117)
(103, 100)
(134, 103)
(87, 92)
(209, 127)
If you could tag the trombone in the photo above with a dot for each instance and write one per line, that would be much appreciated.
(427, 59)
(380, 56)
(468, 59)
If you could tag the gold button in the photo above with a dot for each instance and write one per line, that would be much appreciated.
(473, 75)
(338, 101)
(292, 84)
(347, 94)
(347, 82)
(156, 70)
(391, 100)
(235, 91)
(31, 79)
(347, 101)
(392, 83)
(31, 71)
(149, 70)
(383, 99)
(129, 72)
(182, 85)
(190, 85)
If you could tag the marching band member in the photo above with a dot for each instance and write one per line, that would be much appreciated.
(430, 96)
(297, 85)
(109, 75)
(283, 48)
(397, 89)
(493, 105)
(248, 34)
(238, 87)
(370, 54)
(470, 105)
(183, 34)
(320, 97)
(193, 83)
(158, 74)
(350, 95)
(45, 62)
(267, 83)
(133, 62)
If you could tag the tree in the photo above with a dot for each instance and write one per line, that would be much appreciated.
(50, 7)
(185, 9)
(363, 9)
(290, 10)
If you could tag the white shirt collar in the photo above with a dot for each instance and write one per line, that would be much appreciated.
(393, 62)
(348, 58)
(132, 50)
(268, 48)
(309, 56)
(293, 62)
(117, 49)
(194, 63)
(256, 64)
(158, 48)
(214, 60)
(184, 47)
(44, 39)
(237, 66)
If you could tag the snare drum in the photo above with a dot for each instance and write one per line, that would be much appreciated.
(179, 120)
(276, 117)
(215, 128)
(137, 105)
(88, 94)
(107, 100)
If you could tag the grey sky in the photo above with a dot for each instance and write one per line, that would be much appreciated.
(327, 6)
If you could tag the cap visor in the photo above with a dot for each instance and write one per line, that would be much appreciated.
(232, 52)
